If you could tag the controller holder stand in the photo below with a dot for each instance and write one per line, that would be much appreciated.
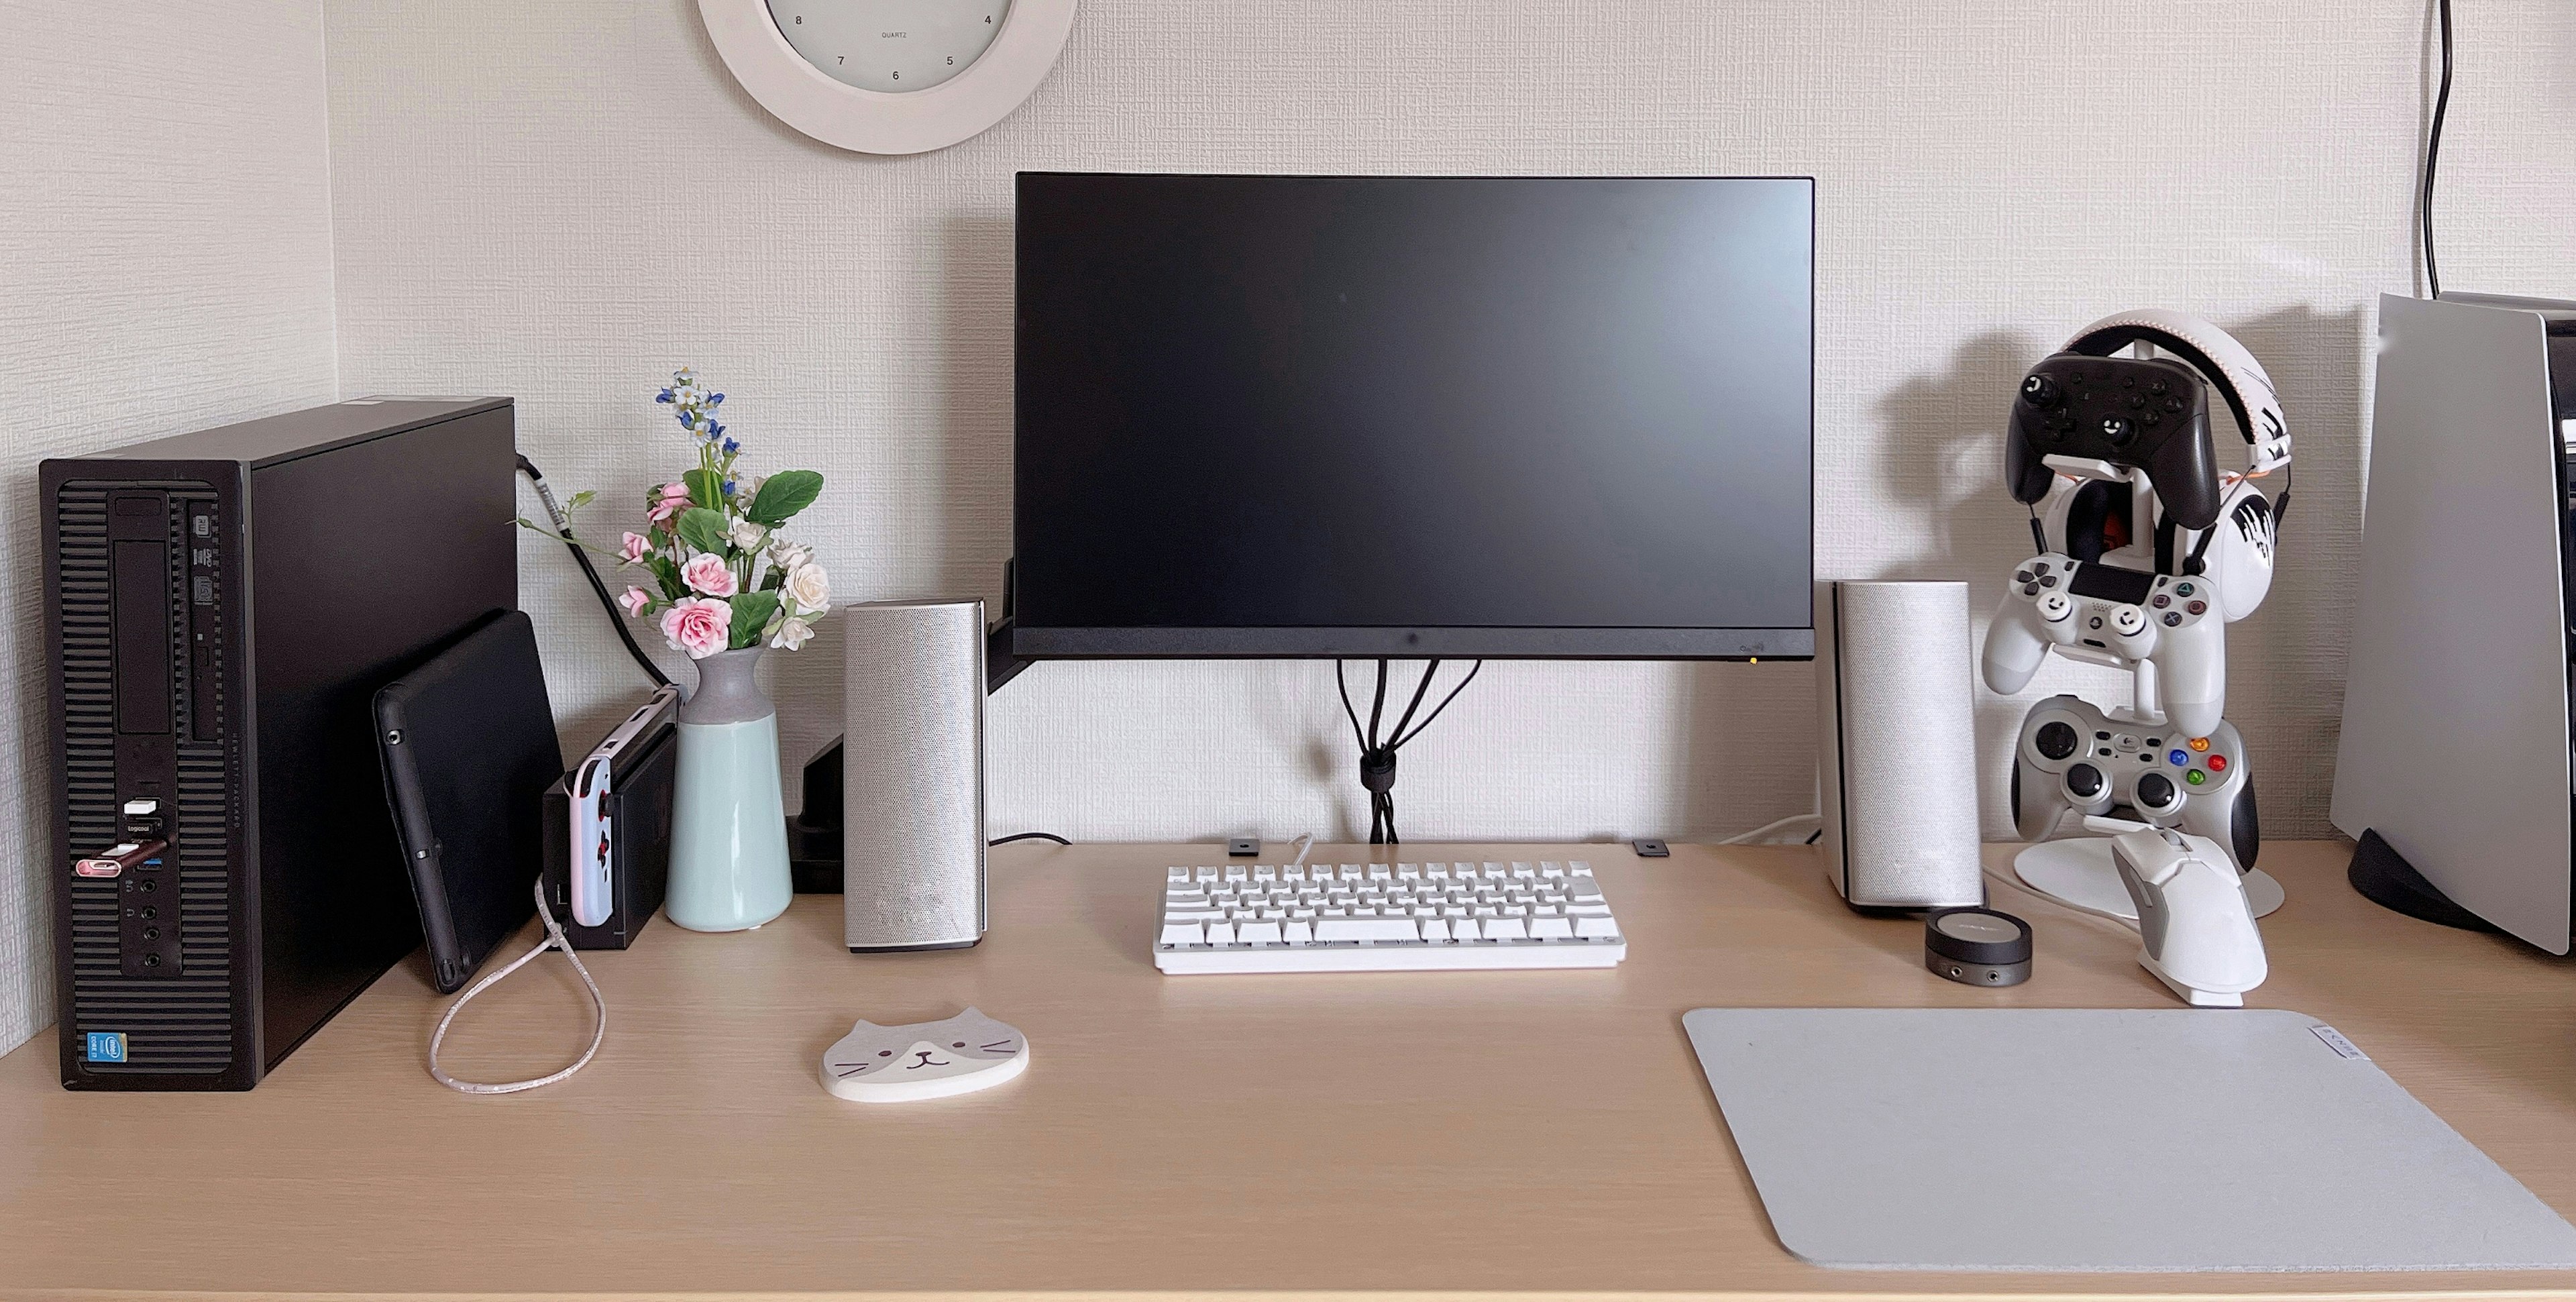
(2077, 872)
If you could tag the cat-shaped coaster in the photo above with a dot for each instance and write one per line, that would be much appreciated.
(926, 1060)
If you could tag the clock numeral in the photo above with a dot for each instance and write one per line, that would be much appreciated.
(840, 58)
(952, 61)
(988, 20)
(898, 76)
(800, 20)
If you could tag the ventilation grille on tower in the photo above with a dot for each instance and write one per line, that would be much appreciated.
(173, 1025)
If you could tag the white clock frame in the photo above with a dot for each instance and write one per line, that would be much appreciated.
(885, 122)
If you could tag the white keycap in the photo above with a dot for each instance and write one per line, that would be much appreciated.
(1177, 875)
(1496, 872)
(1258, 933)
(1293, 874)
(1302, 911)
(1550, 868)
(1453, 910)
(1235, 872)
(1504, 929)
(1516, 910)
(1367, 929)
(1408, 872)
(1524, 870)
(1438, 872)
(1298, 933)
(1378, 872)
(1180, 933)
(1435, 930)
(1220, 933)
(1579, 868)
(1550, 929)
(1586, 890)
(1205, 874)
(1193, 915)
(1262, 872)
(1596, 927)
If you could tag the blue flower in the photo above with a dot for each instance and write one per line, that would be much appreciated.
(663, 396)
(731, 447)
(728, 488)
(713, 400)
(688, 419)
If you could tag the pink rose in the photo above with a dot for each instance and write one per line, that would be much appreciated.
(634, 547)
(698, 626)
(675, 499)
(635, 599)
(708, 573)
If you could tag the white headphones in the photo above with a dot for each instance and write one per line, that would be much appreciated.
(2236, 551)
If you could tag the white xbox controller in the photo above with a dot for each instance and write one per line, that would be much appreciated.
(2195, 924)
(2173, 621)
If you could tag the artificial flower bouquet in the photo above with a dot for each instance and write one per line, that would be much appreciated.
(721, 577)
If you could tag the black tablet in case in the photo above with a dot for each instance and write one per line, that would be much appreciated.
(468, 744)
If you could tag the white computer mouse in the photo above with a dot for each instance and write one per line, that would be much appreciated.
(925, 1060)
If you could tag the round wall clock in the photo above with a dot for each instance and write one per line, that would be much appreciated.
(889, 76)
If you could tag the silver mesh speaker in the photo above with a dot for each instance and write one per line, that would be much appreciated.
(1897, 746)
(912, 839)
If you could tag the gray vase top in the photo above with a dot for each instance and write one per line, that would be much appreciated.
(726, 692)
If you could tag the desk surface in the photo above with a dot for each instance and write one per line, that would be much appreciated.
(1455, 1132)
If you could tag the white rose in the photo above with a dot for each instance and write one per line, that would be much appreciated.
(809, 587)
(787, 555)
(747, 535)
(791, 634)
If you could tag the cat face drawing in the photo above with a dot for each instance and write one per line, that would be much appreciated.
(926, 1060)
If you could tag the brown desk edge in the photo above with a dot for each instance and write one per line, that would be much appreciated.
(1430, 1134)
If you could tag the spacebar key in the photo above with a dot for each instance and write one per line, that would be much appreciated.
(1329, 929)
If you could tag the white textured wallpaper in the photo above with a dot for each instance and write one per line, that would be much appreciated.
(165, 265)
(561, 201)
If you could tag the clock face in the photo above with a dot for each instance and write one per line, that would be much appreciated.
(890, 45)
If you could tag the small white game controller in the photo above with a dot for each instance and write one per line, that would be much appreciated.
(2126, 615)
(925, 1060)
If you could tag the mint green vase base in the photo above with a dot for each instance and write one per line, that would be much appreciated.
(728, 828)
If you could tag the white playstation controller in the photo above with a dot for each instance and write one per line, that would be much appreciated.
(2172, 621)
(2074, 758)
(2195, 924)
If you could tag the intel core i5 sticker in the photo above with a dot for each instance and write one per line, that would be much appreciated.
(106, 1046)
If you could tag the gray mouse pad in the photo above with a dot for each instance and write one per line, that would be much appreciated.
(2011, 1139)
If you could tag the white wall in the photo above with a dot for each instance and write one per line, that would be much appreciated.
(166, 266)
(560, 201)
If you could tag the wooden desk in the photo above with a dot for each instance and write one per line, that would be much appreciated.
(1467, 1132)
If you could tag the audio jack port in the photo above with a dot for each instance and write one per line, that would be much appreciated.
(151, 960)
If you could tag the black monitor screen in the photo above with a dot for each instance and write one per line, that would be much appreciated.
(1396, 416)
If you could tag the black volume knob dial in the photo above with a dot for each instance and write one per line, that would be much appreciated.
(2085, 781)
(2055, 740)
(2039, 390)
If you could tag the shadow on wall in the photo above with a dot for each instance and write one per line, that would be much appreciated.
(2285, 664)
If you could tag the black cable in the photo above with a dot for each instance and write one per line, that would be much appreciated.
(2432, 153)
(563, 530)
(1377, 759)
(1029, 836)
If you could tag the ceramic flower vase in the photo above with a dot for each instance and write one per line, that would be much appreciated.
(728, 823)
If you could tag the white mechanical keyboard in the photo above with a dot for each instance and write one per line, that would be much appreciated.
(1385, 917)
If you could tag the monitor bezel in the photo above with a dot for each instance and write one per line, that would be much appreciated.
(1455, 642)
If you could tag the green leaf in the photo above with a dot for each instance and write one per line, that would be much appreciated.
(777, 579)
(784, 494)
(751, 612)
(706, 487)
(581, 499)
(669, 576)
(703, 529)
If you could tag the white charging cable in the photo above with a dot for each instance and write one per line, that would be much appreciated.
(1305, 845)
(554, 938)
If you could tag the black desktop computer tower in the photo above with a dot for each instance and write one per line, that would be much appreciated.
(220, 609)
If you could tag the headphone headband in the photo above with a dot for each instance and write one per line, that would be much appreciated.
(2240, 380)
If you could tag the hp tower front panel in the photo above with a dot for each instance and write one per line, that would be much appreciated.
(220, 607)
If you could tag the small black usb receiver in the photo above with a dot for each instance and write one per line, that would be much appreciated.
(1651, 848)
